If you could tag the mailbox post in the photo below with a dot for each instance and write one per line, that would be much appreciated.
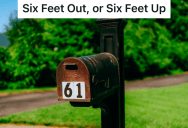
(112, 41)
(97, 80)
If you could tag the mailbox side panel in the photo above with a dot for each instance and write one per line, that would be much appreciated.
(65, 74)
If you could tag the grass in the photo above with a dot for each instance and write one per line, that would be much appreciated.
(19, 91)
(164, 107)
(157, 108)
(58, 115)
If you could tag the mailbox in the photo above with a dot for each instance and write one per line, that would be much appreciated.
(87, 79)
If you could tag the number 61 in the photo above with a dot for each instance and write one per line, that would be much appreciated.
(73, 90)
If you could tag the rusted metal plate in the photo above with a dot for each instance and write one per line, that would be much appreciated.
(70, 70)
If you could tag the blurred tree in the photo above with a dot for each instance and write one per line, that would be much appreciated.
(40, 44)
(147, 49)
(66, 38)
(5, 71)
(151, 49)
(14, 25)
(152, 46)
(27, 61)
(178, 23)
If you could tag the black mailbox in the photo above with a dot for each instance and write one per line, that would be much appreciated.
(87, 80)
(97, 80)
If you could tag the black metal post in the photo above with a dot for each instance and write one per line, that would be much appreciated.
(112, 41)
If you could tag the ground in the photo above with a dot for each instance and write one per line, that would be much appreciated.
(25, 126)
(132, 85)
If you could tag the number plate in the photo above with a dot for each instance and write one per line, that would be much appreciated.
(73, 90)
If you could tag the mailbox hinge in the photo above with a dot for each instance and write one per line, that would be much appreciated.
(96, 79)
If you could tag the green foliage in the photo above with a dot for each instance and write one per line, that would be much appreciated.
(146, 48)
(4, 67)
(151, 47)
(150, 50)
(178, 23)
(26, 58)
(14, 25)
(157, 46)
(42, 43)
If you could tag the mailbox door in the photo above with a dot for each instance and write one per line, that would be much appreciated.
(73, 81)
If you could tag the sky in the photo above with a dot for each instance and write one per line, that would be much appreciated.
(6, 7)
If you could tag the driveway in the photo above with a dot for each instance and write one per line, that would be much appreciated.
(12, 104)
(156, 82)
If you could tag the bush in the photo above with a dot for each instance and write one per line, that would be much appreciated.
(150, 50)
(38, 45)
(43, 43)
(5, 70)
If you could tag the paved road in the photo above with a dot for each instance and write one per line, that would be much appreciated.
(156, 82)
(26, 102)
